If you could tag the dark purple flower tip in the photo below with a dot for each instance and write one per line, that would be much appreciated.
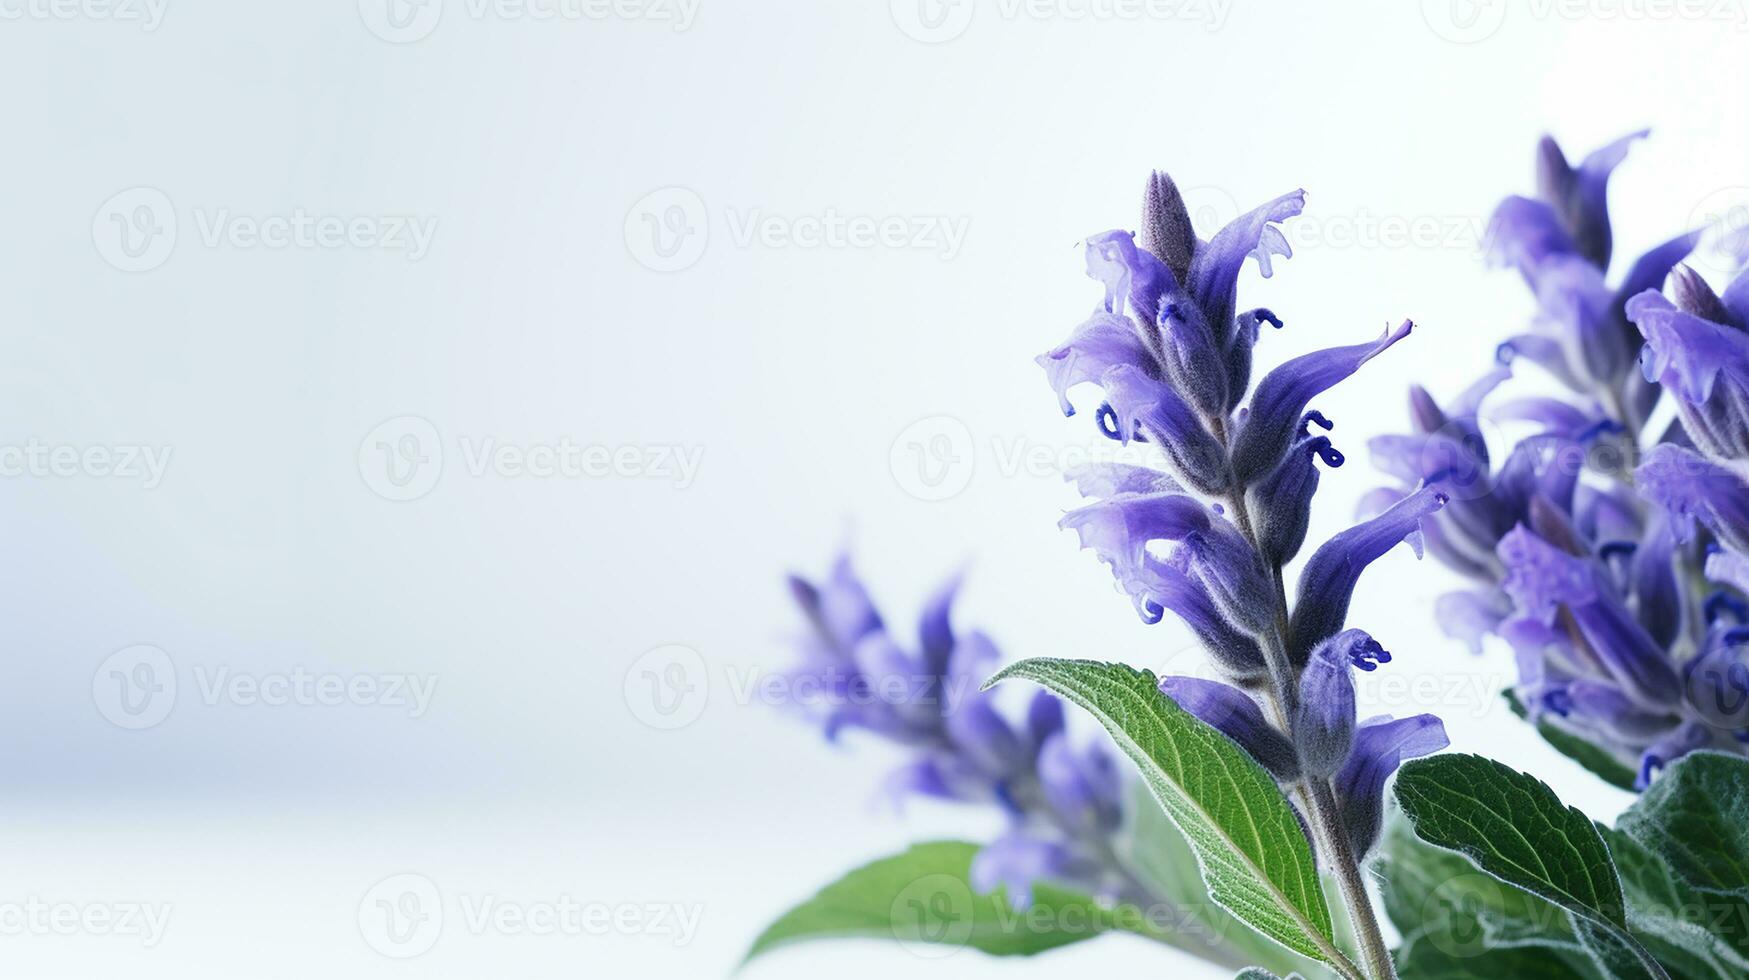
(1166, 226)
(1236, 715)
(1694, 297)
(1580, 194)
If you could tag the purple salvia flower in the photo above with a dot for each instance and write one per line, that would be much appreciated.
(1063, 804)
(1549, 583)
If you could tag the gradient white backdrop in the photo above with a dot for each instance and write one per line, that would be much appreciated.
(300, 247)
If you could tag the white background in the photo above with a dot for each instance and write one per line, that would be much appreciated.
(533, 316)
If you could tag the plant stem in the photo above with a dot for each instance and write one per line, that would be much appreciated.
(1317, 795)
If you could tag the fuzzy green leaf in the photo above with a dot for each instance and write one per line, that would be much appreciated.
(1254, 855)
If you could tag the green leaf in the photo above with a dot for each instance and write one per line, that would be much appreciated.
(1438, 899)
(1599, 761)
(1155, 850)
(1423, 961)
(1695, 818)
(1254, 856)
(1699, 933)
(1515, 828)
(923, 899)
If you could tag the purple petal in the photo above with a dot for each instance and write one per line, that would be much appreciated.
(981, 735)
(1234, 714)
(1544, 580)
(1129, 274)
(1581, 311)
(1324, 724)
(1282, 501)
(1469, 616)
(935, 629)
(1044, 717)
(1380, 746)
(1544, 351)
(1145, 406)
(1523, 233)
(1111, 479)
(1016, 861)
(1657, 596)
(1267, 428)
(1214, 271)
(1328, 579)
(1079, 788)
(1651, 269)
(1103, 342)
(1692, 488)
(1736, 295)
(1685, 353)
(1580, 193)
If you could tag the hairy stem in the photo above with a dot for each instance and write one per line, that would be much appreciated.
(1317, 795)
